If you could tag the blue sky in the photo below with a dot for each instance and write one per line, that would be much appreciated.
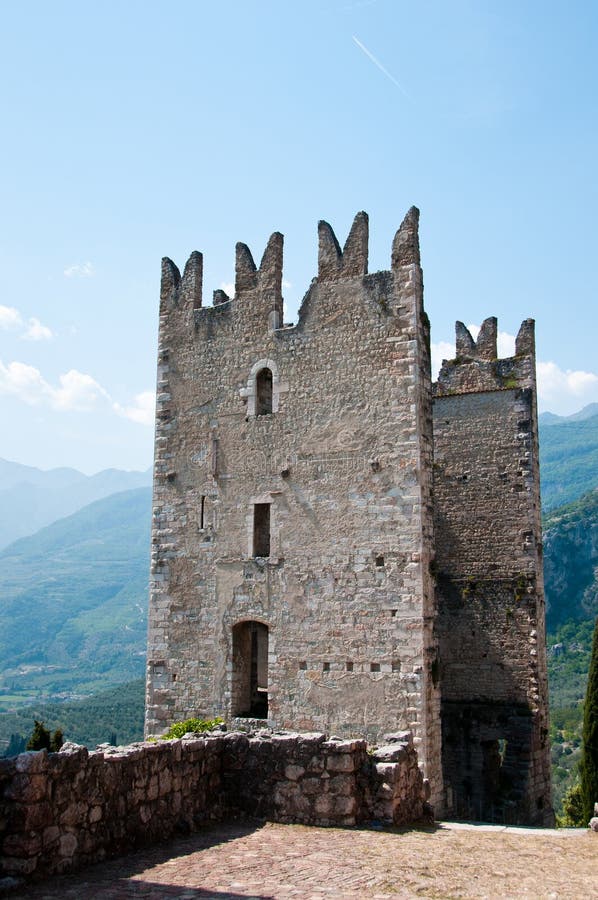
(142, 129)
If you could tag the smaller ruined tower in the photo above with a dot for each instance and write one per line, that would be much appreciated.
(496, 753)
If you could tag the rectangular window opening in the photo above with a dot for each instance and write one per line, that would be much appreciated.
(261, 529)
(349, 667)
(326, 667)
(374, 667)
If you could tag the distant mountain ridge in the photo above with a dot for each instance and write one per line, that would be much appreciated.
(31, 498)
(549, 418)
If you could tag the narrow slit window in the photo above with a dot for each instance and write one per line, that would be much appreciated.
(261, 529)
(202, 513)
(263, 392)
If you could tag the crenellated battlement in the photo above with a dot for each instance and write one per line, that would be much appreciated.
(269, 275)
(177, 291)
(259, 288)
(352, 260)
(477, 366)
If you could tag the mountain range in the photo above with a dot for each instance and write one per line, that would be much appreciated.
(31, 498)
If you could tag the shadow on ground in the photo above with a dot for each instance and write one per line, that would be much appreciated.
(114, 878)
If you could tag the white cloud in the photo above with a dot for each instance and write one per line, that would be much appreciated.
(36, 331)
(75, 392)
(142, 410)
(25, 382)
(565, 391)
(10, 317)
(79, 270)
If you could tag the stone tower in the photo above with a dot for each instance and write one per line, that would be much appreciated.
(296, 578)
(490, 589)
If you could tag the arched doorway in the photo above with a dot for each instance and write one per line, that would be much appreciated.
(250, 670)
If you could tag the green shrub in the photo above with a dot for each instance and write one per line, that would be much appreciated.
(42, 739)
(573, 809)
(178, 729)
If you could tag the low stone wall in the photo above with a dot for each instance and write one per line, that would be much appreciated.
(61, 811)
(307, 778)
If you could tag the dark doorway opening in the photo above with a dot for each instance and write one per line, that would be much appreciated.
(250, 670)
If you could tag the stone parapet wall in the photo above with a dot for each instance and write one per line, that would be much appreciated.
(306, 778)
(62, 811)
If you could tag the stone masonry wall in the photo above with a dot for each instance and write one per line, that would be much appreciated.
(61, 811)
(492, 665)
(343, 464)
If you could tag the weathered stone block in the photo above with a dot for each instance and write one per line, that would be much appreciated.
(67, 845)
(341, 762)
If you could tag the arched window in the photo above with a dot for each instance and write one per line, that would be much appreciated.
(264, 389)
(250, 670)
(263, 392)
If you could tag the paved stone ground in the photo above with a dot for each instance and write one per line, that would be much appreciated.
(253, 860)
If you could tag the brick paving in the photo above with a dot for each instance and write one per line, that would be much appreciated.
(241, 861)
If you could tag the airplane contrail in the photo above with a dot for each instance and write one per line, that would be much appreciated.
(382, 68)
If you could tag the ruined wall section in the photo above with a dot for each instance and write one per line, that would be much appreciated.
(489, 574)
(342, 461)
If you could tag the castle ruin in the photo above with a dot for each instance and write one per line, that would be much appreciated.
(340, 545)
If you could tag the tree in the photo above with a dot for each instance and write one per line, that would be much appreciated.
(41, 739)
(572, 809)
(57, 741)
(589, 746)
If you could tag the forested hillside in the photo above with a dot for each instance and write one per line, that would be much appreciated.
(571, 561)
(571, 581)
(568, 456)
(114, 716)
(73, 601)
